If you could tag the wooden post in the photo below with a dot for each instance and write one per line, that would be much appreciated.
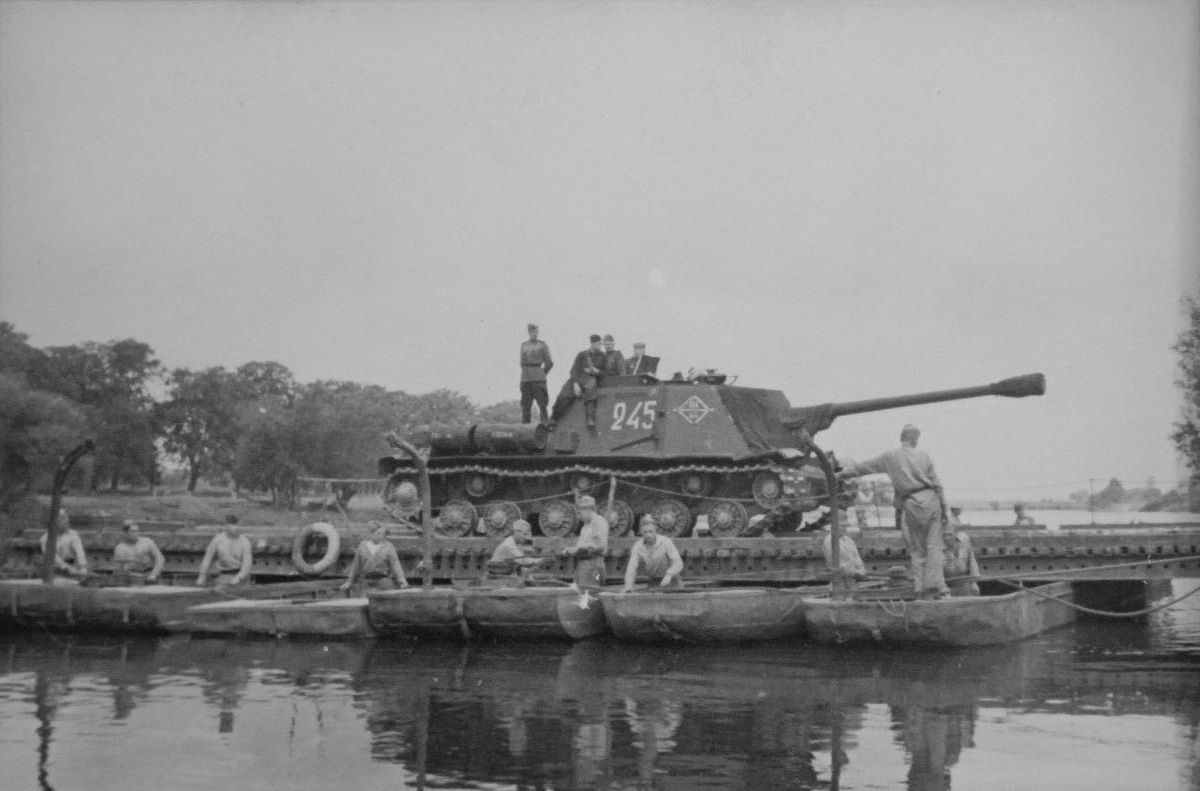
(60, 479)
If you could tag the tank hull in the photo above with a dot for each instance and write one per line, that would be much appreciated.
(681, 450)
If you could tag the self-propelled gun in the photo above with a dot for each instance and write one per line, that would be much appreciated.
(678, 449)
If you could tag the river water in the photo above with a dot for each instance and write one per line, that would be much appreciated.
(1096, 705)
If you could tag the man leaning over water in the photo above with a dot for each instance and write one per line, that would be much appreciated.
(656, 555)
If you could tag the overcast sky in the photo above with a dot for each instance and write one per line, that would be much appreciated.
(840, 200)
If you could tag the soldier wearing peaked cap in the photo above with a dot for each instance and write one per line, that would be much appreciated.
(535, 364)
(585, 375)
(640, 362)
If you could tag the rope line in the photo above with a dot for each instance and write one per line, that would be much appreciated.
(1104, 613)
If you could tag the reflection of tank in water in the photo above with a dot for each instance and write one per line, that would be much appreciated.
(677, 449)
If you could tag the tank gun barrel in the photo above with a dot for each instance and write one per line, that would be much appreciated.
(820, 417)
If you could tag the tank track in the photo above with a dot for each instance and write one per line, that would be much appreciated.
(484, 496)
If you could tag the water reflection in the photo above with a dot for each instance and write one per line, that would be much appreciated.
(594, 715)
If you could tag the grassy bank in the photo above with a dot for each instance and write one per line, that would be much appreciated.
(204, 508)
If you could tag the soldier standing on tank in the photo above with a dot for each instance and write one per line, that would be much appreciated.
(614, 364)
(581, 383)
(920, 508)
(535, 364)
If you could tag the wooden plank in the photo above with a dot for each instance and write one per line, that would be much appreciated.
(999, 550)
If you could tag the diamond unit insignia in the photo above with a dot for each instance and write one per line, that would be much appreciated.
(693, 410)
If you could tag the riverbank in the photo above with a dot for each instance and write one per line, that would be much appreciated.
(110, 510)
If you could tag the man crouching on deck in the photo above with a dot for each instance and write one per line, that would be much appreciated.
(657, 555)
(230, 551)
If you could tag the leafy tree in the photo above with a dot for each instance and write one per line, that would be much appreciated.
(16, 355)
(1111, 495)
(260, 379)
(264, 458)
(36, 429)
(1187, 430)
(111, 381)
(200, 420)
(503, 412)
(439, 406)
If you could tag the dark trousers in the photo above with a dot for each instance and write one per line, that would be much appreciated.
(534, 391)
(566, 397)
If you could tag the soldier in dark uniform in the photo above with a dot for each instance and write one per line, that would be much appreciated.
(535, 364)
(581, 383)
(614, 361)
(640, 362)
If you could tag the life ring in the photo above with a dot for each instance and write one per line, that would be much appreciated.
(332, 549)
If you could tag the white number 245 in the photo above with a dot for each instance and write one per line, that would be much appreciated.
(641, 415)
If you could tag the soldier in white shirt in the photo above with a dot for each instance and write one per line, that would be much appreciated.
(591, 546)
(139, 555)
(69, 557)
(656, 556)
(229, 557)
(920, 508)
(376, 563)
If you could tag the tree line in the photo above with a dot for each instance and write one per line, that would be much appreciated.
(1187, 429)
(255, 426)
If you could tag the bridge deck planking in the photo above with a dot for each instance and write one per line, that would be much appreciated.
(1080, 554)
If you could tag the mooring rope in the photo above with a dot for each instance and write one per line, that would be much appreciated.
(1103, 613)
